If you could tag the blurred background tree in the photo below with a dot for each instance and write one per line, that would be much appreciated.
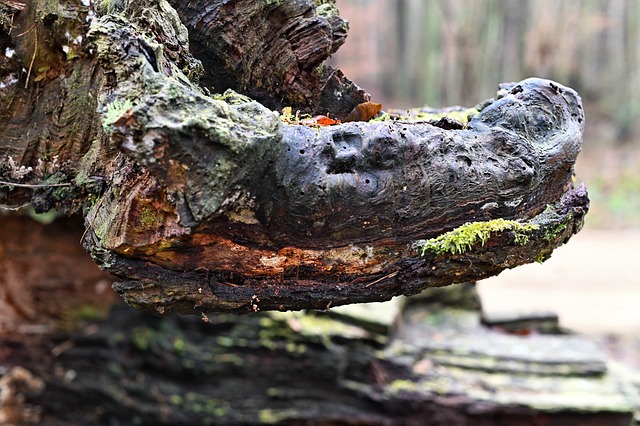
(456, 52)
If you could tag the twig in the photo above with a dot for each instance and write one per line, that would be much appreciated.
(391, 275)
(15, 4)
(26, 31)
(11, 23)
(378, 373)
(35, 50)
(93, 219)
(62, 347)
(33, 58)
(26, 185)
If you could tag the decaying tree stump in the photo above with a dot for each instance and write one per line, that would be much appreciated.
(201, 202)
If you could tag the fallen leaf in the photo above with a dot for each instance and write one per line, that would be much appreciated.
(323, 120)
(363, 112)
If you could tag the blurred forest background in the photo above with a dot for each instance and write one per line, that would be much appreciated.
(455, 52)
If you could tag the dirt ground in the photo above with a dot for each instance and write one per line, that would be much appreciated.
(592, 283)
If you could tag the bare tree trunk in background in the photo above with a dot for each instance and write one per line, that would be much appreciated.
(590, 45)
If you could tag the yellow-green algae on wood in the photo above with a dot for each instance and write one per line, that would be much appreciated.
(464, 237)
(429, 115)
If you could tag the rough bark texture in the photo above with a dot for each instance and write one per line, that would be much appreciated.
(273, 52)
(203, 203)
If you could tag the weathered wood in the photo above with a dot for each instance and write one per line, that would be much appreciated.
(205, 203)
(437, 368)
(273, 52)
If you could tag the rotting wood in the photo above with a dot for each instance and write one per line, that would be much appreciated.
(437, 367)
(203, 203)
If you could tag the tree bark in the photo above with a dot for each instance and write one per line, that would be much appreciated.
(201, 202)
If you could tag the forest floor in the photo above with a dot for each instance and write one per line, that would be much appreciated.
(612, 176)
(592, 283)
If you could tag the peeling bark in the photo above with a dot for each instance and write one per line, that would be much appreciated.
(202, 202)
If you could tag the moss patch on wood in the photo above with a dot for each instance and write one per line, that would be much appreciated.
(464, 237)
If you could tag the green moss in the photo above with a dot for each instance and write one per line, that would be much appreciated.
(61, 193)
(464, 237)
(179, 346)
(382, 117)
(229, 96)
(110, 6)
(326, 9)
(73, 318)
(276, 334)
(208, 408)
(142, 337)
(82, 177)
(542, 257)
(225, 341)
(402, 385)
(268, 416)
(90, 313)
(6, 19)
(288, 117)
(149, 218)
(550, 216)
(461, 116)
(557, 230)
